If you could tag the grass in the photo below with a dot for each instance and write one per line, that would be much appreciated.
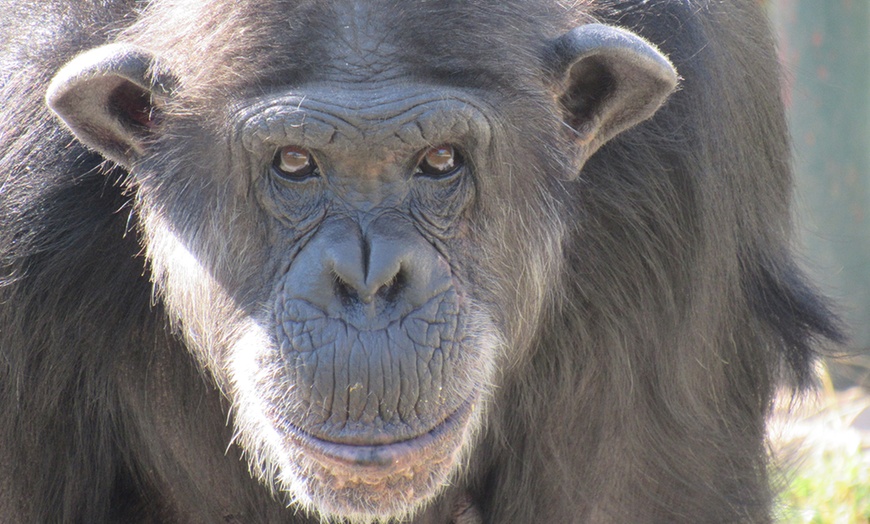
(824, 460)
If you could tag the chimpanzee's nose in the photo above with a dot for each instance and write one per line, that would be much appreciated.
(371, 267)
(389, 264)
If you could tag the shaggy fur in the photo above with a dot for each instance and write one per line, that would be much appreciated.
(631, 316)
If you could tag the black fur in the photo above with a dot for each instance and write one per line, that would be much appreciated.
(638, 394)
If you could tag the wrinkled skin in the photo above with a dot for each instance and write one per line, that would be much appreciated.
(376, 344)
(439, 262)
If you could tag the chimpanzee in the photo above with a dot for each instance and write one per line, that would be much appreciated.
(428, 261)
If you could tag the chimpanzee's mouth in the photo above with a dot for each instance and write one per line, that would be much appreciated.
(377, 461)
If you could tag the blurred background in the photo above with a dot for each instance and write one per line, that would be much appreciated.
(823, 443)
(825, 47)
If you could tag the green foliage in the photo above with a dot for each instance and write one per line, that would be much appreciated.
(831, 485)
(823, 455)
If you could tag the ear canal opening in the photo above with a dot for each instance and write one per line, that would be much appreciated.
(133, 107)
(591, 86)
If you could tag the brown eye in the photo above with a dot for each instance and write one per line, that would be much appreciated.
(294, 163)
(440, 162)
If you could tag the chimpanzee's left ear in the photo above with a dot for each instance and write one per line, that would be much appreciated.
(610, 80)
(110, 97)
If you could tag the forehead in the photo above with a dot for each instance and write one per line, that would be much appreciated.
(334, 117)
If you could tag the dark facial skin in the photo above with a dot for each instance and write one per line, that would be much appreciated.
(374, 325)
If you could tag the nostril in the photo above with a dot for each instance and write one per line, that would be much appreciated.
(390, 290)
(350, 293)
(345, 291)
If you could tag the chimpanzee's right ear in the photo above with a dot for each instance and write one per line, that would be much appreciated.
(110, 97)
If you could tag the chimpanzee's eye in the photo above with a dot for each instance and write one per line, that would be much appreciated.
(440, 162)
(294, 163)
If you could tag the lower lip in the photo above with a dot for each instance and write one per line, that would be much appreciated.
(384, 460)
